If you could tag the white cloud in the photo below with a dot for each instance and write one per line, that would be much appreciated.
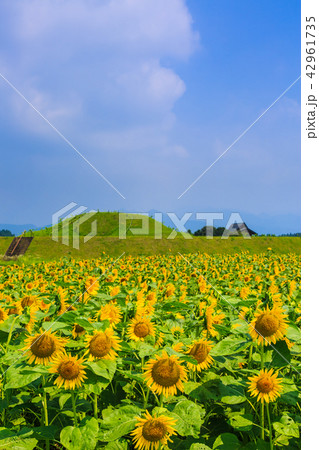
(105, 55)
(176, 150)
(159, 85)
(135, 26)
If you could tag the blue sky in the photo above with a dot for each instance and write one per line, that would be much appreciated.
(151, 93)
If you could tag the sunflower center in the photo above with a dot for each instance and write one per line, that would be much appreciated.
(27, 301)
(2, 316)
(43, 346)
(166, 372)
(267, 324)
(68, 370)
(78, 329)
(199, 352)
(141, 329)
(100, 345)
(265, 385)
(154, 430)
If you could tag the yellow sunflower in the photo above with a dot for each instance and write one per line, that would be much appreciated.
(170, 289)
(152, 432)
(268, 325)
(177, 330)
(244, 292)
(28, 300)
(200, 351)
(29, 286)
(140, 328)
(243, 312)
(213, 319)
(77, 331)
(43, 347)
(111, 312)
(115, 291)
(62, 295)
(151, 297)
(3, 315)
(165, 374)
(92, 285)
(160, 340)
(178, 347)
(265, 386)
(103, 345)
(32, 317)
(16, 308)
(70, 370)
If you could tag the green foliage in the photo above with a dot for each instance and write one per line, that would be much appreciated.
(212, 410)
(82, 437)
(4, 232)
(20, 440)
(210, 231)
(117, 422)
(18, 377)
(281, 356)
(226, 441)
(189, 417)
(230, 345)
(199, 447)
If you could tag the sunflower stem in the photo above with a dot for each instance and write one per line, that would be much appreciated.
(195, 376)
(250, 355)
(95, 406)
(262, 406)
(10, 332)
(156, 399)
(124, 322)
(161, 400)
(74, 410)
(4, 395)
(45, 410)
(269, 426)
(262, 420)
(146, 398)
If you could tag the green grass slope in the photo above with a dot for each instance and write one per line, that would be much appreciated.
(44, 248)
(107, 225)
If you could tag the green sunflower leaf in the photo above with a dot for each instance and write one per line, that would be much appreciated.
(189, 417)
(226, 441)
(117, 422)
(19, 377)
(20, 440)
(281, 356)
(199, 447)
(103, 368)
(230, 345)
(80, 438)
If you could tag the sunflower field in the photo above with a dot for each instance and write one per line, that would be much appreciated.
(191, 351)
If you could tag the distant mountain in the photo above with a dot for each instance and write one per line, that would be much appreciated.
(18, 229)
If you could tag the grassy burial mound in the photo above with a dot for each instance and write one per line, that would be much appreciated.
(107, 224)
